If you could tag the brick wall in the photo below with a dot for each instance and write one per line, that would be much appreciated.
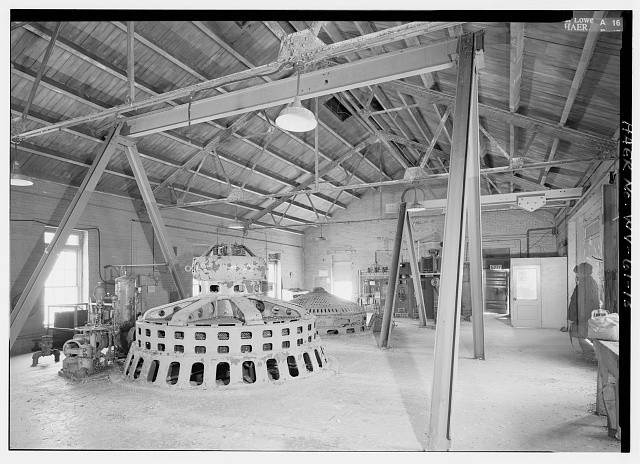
(572, 230)
(125, 238)
(364, 230)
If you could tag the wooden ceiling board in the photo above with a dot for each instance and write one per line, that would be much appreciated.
(254, 41)
(548, 70)
(80, 31)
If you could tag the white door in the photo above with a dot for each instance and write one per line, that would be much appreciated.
(525, 292)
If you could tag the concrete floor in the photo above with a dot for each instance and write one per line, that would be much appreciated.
(532, 393)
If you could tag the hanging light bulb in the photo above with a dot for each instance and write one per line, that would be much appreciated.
(17, 178)
(294, 117)
(321, 238)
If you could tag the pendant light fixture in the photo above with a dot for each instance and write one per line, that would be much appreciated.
(237, 225)
(415, 206)
(295, 117)
(321, 238)
(17, 178)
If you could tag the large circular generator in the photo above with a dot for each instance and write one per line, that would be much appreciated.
(227, 334)
(335, 315)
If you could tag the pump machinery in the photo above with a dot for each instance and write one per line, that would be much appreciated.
(107, 334)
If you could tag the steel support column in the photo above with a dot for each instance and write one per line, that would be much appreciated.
(472, 192)
(390, 305)
(35, 285)
(415, 271)
(154, 214)
(448, 323)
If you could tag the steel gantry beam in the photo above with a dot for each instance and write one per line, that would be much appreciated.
(59, 88)
(242, 59)
(326, 52)
(390, 66)
(154, 214)
(41, 119)
(35, 284)
(186, 67)
(111, 69)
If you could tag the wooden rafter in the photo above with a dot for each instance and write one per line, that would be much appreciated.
(589, 141)
(85, 55)
(229, 49)
(40, 119)
(581, 71)
(515, 65)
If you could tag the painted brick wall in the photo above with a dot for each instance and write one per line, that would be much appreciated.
(126, 238)
(589, 212)
(372, 233)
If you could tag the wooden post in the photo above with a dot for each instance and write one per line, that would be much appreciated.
(447, 329)
(472, 192)
(390, 305)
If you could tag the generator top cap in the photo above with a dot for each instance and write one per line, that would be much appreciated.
(320, 302)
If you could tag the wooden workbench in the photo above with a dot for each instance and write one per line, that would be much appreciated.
(607, 388)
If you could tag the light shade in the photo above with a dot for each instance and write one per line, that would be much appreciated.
(415, 206)
(17, 178)
(296, 118)
(236, 225)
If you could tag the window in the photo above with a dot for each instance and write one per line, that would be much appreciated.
(342, 283)
(64, 284)
(274, 276)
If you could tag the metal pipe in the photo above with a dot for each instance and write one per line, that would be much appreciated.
(552, 229)
(390, 304)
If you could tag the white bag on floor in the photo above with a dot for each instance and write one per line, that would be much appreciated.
(603, 326)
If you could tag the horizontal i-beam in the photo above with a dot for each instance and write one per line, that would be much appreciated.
(511, 198)
(370, 71)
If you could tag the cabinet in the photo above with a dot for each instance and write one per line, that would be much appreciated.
(372, 290)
